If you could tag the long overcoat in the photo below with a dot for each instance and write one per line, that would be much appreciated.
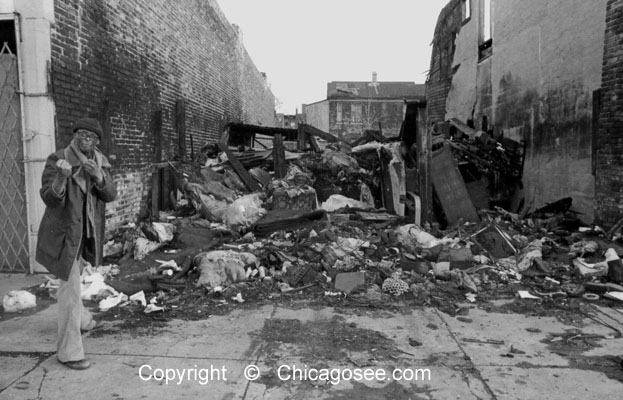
(62, 226)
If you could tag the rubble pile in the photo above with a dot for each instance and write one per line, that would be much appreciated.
(225, 245)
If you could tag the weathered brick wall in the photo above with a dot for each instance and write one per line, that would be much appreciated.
(124, 62)
(609, 162)
(258, 103)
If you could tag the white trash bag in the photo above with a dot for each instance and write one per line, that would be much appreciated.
(18, 300)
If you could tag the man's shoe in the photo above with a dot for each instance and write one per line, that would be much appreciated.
(81, 364)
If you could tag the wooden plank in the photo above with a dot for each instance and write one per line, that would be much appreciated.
(386, 181)
(314, 143)
(279, 157)
(461, 127)
(616, 227)
(301, 138)
(165, 183)
(450, 188)
(397, 174)
(377, 217)
(311, 130)
(424, 160)
(155, 194)
(248, 180)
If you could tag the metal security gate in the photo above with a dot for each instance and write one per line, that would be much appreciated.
(13, 212)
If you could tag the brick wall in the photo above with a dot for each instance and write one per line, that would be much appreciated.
(609, 161)
(128, 62)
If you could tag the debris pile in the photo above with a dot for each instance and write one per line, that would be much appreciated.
(330, 229)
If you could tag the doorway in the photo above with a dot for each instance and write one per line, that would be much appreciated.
(14, 255)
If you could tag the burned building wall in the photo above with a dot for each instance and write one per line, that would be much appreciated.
(148, 70)
(439, 78)
(609, 149)
(534, 84)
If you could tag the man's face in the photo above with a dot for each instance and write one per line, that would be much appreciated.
(86, 140)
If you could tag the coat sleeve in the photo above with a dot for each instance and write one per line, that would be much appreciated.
(108, 192)
(47, 192)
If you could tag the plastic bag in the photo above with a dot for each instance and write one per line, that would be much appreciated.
(164, 230)
(411, 234)
(337, 201)
(212, 209)
(244, 212)
(144, 246)
(18, 300)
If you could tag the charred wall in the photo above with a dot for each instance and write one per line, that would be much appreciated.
(535, 85)
(143, 66)
(439, 78)
(609, 162)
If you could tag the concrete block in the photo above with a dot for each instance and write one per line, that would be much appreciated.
(349, 281)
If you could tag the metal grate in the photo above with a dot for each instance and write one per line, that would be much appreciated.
(13, 216)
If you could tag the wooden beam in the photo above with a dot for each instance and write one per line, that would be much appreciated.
(301, 138)
(311, 130)
(248, 180)
(386, 181)
(424, 160)
(155, 194)
(165, 185)
(450, 188)
(279, 157)
(314, 143)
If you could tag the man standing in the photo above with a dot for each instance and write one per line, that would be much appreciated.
(76, 185)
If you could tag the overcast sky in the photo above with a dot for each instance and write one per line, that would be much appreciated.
(303, 45)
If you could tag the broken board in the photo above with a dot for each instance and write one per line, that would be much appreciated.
(450, 188)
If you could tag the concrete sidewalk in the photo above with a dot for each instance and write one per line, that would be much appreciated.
(483, 355)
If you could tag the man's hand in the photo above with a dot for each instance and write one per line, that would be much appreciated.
(92, 169)
(63, 169)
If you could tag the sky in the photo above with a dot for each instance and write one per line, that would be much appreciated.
(302, 45)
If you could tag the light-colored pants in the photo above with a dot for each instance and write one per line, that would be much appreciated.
(72, 316)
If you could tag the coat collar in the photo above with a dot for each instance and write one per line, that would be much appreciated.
(74, 159)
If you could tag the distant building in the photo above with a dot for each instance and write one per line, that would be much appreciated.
(289, 120)
(351, 108)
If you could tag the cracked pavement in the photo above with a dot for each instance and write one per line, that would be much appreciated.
(478, 355)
